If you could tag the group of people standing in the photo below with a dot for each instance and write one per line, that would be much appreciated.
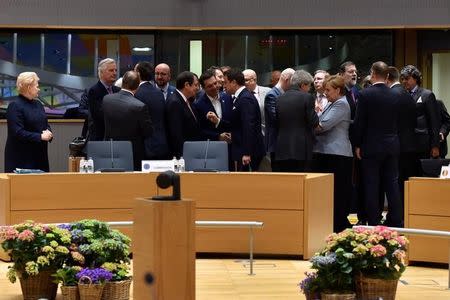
(371, 139)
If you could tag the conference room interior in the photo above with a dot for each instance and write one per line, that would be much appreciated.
(66, 59)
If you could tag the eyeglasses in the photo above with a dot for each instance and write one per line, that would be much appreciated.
(249, 79)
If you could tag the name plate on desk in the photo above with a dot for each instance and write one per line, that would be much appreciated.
(157, 166)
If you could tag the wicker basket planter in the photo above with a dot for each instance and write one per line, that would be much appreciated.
(117, 290)
(39, 286)
(371, 288)
(70, 292)
(90, 291)
(326, 296)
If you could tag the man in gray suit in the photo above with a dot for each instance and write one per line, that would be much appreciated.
(269, 110)
(296, 119)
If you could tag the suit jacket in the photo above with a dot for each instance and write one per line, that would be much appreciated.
(296, 119)
(95, 101)
(352, 102)
(156, 146)
(24, 147)
(427, 130)
(333, 137)
(246, 133)
(170, 90)
(262, 92)
(182, 125)
(444, 128)
(406, 119)
(127, 119)
(270, 115)
(203, 105)
(376, 121)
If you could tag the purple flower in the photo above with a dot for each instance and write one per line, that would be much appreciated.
(97, 275)
(65, 226)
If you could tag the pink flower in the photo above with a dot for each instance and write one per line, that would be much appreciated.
(378, 250)
(8, 233)
(400, 255)
(359, 229)
(26, 235)
(402, 240)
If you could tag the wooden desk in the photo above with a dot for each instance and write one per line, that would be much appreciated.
(297, 209)
(427, 206)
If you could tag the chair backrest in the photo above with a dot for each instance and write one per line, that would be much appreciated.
(206, 155)
(432, 167)
(111, 155)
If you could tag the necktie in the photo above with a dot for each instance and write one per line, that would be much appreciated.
(109, 89)
(233, 98)
(190, 108)
(353, 96)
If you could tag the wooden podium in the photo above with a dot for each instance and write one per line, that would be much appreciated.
(164, 250)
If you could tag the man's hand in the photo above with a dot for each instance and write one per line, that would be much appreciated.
(212, 117)
(46, 135)
(226, 137)
(441, 137)
(358, 153)
(246, 159)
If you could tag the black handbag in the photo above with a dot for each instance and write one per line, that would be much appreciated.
(432, 167)
(77, 146)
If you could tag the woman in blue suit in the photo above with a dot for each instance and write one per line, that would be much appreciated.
(28, 129)
(333, 151)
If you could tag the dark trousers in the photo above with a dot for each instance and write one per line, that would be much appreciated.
(252, 167)
(357, 204)
(382, 170)
(274, 163)
(341, 167)
(292, 165)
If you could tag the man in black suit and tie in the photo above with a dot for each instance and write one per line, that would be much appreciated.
(377, 146)
(247, 148)
(407, 163)
(156, 146)
(107, 74)
(213, 109)
(162, 80)
(127, 118)
(182, 123)
(295, 119)
(427, 129)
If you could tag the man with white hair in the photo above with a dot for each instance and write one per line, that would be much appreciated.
(107, 74)
(321, 99)
(296, 120)
(269, 109)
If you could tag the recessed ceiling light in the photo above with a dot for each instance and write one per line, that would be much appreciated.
(142, 49)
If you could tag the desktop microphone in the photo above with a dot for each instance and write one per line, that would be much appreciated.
(112, 169)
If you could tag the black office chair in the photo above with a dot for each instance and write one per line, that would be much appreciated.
(111, 156)
(432, 167)
(206, 156)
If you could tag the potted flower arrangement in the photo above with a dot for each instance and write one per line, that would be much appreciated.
(378, 262)
(368, 261)
(333, 277)
(91, 282)
(37, 251)
(94, 245)
(67, 277)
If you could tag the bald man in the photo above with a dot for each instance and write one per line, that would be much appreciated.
(162, 79)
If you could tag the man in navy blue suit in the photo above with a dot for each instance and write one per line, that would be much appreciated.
(162, 80)
(107, 73)
(247, 148)
(182, 123)
(156, 146)
(213, 109)
(377, 146)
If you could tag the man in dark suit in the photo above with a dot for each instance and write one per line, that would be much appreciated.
(444, 128)
(127, 118)
(107, 73)
(162, 80)
(247, 148)
(270, 101)
(213, 109)
(156, 146)
(407, 162)
(377, 146)
(349, 72)
(295, 119)
(427, 129)
(182, 123)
